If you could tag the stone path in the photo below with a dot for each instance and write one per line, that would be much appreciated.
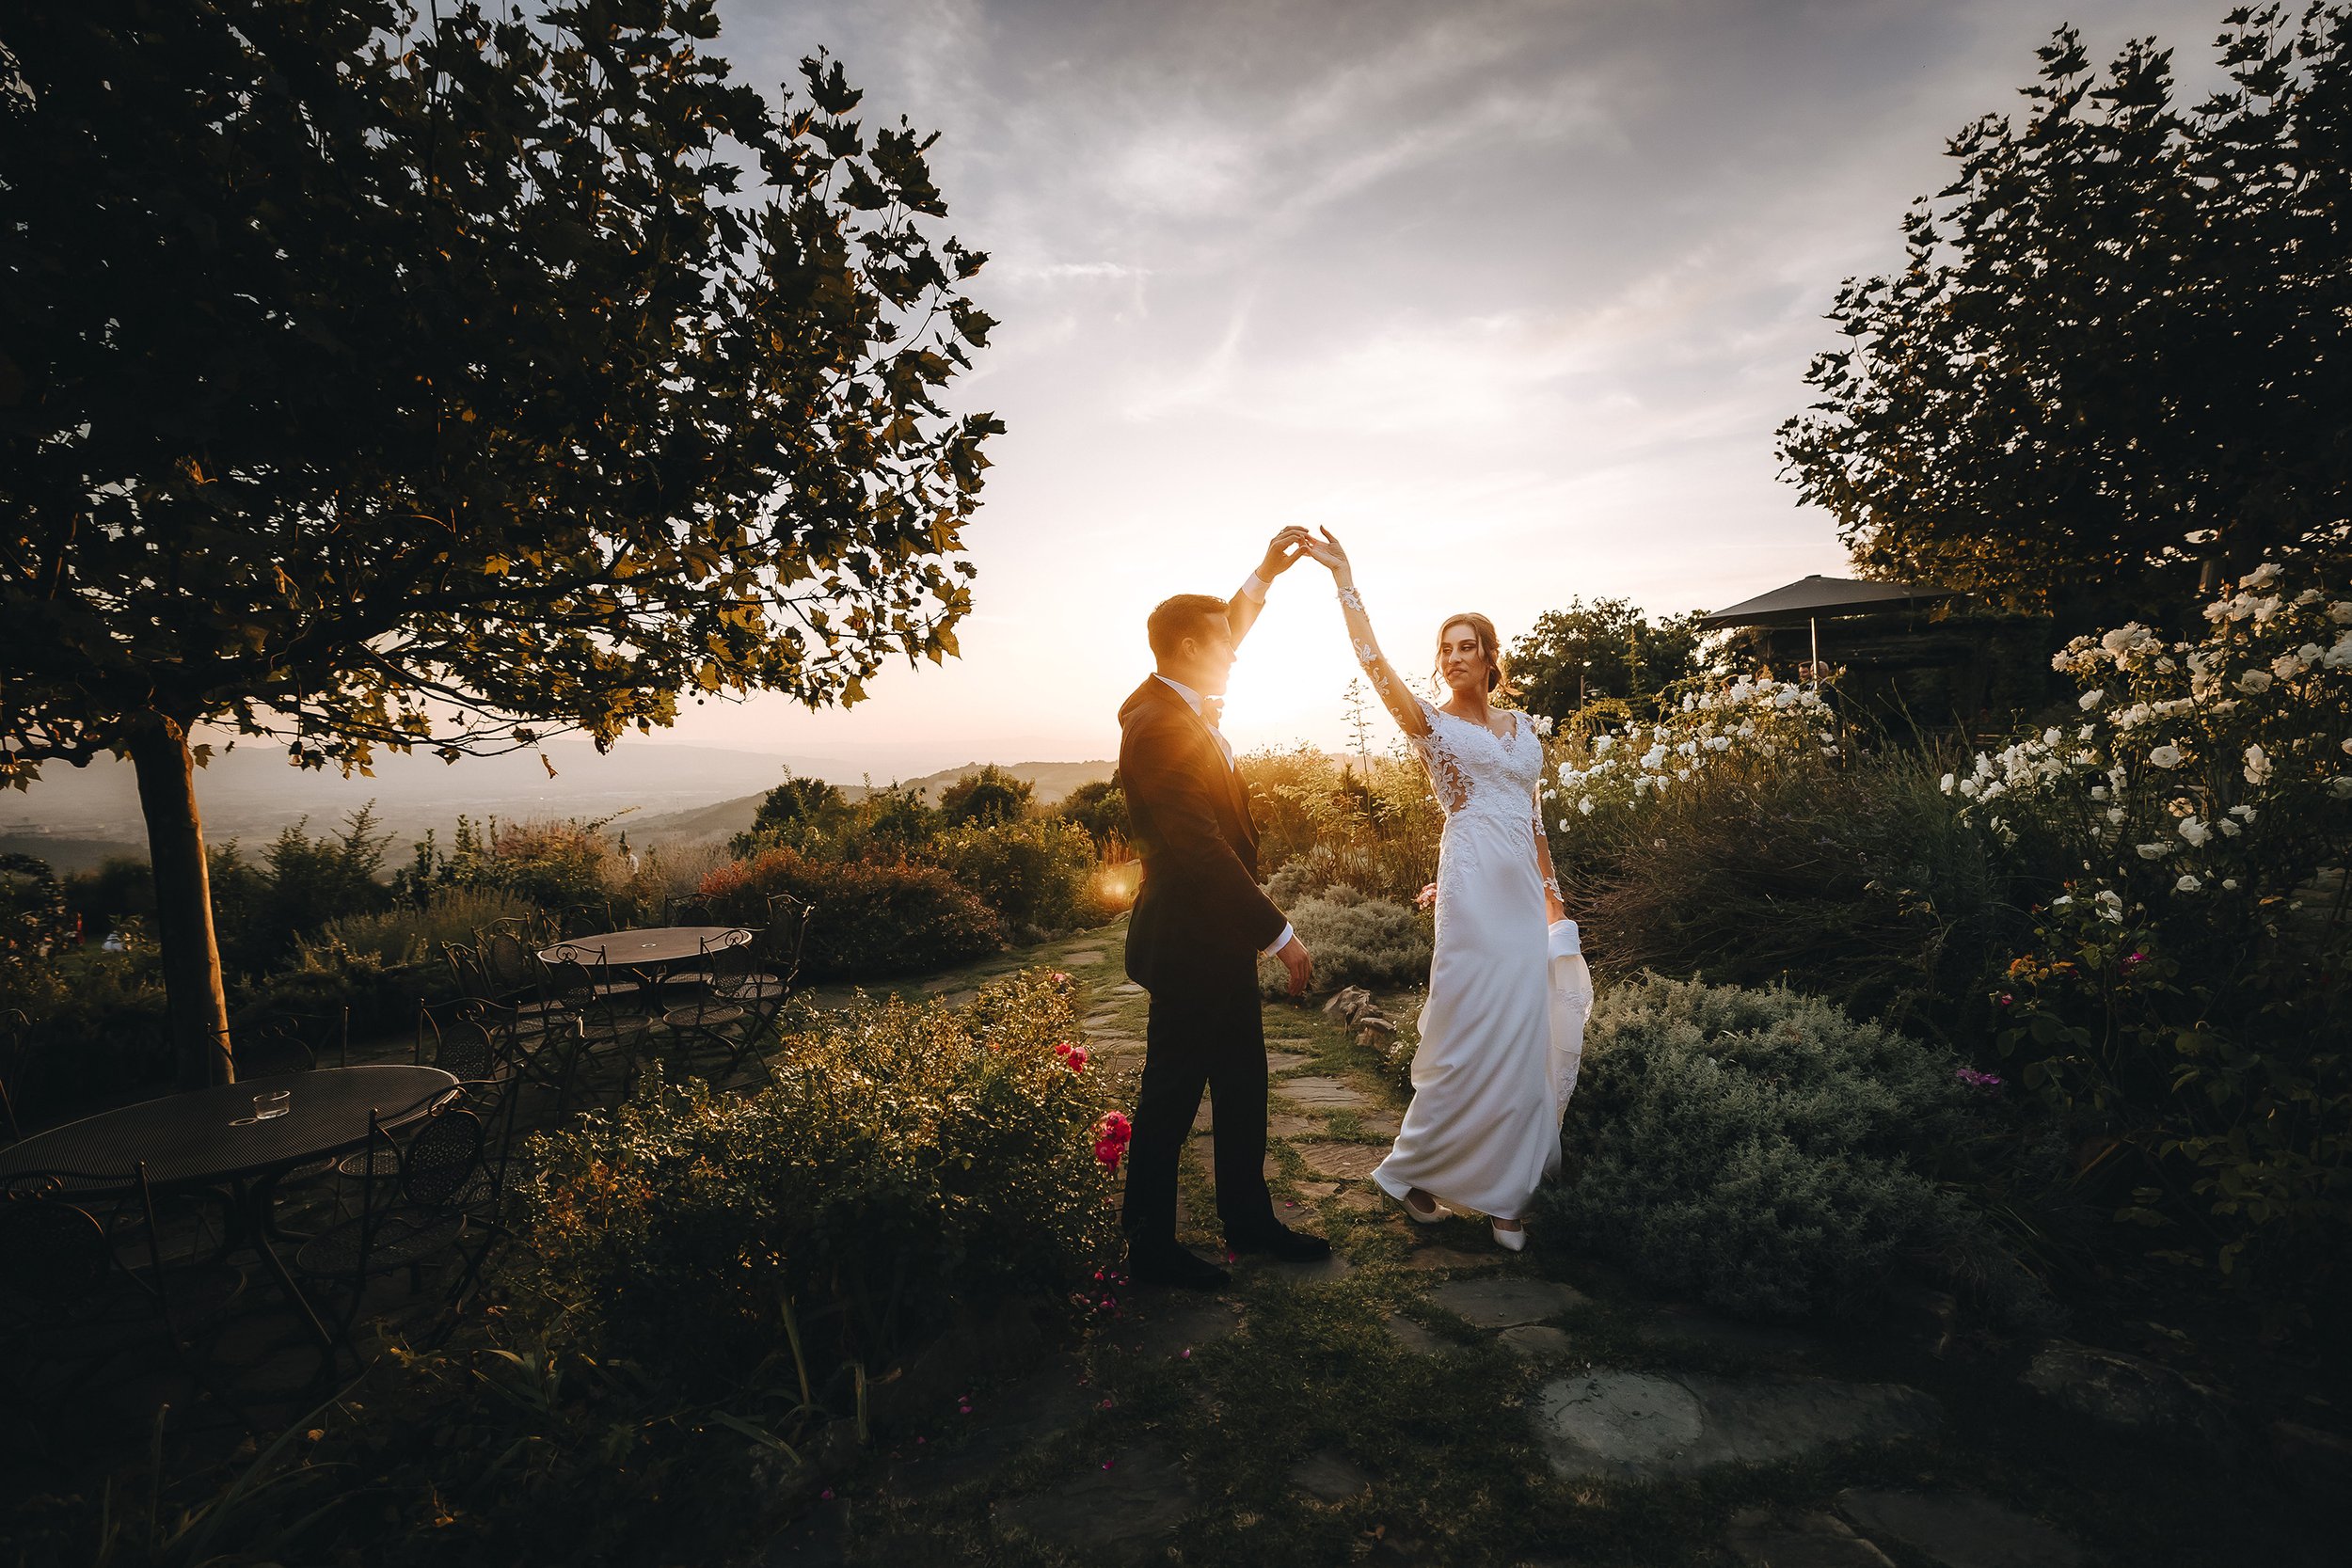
(1639, 1426)
(1052, 1461)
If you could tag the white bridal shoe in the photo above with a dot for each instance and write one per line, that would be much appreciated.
(1434, 1214)
(1514, 1240)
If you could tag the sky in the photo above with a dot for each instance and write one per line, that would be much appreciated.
(1510, 296)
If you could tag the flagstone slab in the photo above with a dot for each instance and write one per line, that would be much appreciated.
(1639, 1426)
(1536, 1341)
(1505, 1301)
(1762, 1537)
(1127, 988)
(1325, 1094)
(1433, 1258)
(1960, 1529)
(1120, 1503)
(1414, 1337)
(1083, 955)
(1327, 1476)
(1283, 1061)
(1349, 1162)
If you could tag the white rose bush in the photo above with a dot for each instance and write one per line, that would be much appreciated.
(2184, 994)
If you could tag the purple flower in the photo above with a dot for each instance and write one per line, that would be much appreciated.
(1976, 1080)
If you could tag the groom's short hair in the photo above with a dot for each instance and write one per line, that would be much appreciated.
(1181, 617)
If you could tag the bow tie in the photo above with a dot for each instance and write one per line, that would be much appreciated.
(1212, 709)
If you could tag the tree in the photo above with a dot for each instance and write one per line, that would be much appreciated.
(1608, 649)
(990, 795)
(374, 382)
(2115, 362)
(1099, 806)
(789, 812)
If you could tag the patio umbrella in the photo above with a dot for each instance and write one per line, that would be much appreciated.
(1809, 599)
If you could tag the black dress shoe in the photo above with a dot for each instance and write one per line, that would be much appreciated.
(1284, 1245)
(1174, 1265)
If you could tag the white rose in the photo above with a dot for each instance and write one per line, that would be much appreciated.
(2341, 786)
(1585, 805)
(2229, 828)
(2154, 851)
(1600, 746)
(2254, 682)
(1654, 758)
(2262, 576)
(2115, 814)
(2246, 814)
(2194, 831)
(2340, 612)
(2257, 765)
(2188, 884)
(2286, 666)
(1946, 784)
(2166, 755)
(2229, 883)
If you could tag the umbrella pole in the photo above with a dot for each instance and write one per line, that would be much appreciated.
(1814, 626)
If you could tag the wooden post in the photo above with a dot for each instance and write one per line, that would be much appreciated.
(184, 902)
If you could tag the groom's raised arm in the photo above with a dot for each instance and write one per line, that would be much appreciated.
(1249, 600)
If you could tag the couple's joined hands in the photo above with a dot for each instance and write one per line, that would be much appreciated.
(1286, 548)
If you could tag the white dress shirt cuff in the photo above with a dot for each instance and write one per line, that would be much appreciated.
(1279, 942)
(1253, 589)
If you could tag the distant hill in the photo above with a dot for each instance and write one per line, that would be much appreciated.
(1051, 779)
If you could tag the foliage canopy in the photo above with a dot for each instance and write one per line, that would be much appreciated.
(2116, 350)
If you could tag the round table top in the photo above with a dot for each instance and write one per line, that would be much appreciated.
(209, 1135)
(651, 944)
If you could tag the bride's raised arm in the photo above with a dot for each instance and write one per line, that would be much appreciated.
(1393, 693)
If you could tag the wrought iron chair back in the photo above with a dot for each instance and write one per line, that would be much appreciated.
(15, 1030)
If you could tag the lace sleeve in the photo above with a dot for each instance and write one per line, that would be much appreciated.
(1446, 774)
(1544, 868)
(1407, 710)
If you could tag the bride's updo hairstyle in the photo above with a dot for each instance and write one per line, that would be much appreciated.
(1498, 680)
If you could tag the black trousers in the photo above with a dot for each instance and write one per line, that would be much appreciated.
(1207, 1033)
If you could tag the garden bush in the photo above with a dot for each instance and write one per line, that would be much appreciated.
(1746, 834)
(1037, 874)
(902, 1160)
(1762, 1150)
(1356, 941)
(1368, 821)
(571, 870)
(868, 918)
(95, 1027)
(2180, 997)
(410, 933)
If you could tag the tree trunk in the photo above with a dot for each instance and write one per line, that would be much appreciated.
(183, 902)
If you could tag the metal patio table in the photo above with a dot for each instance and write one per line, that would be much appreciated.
(648, 953)
(210, 1138)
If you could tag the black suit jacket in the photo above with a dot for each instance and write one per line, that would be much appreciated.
(1199, 914)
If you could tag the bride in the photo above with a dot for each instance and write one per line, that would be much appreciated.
(1490, 1080)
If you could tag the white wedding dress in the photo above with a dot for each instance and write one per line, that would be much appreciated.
(1501, 1032)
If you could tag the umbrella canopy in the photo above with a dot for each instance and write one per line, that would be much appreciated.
(1817, 595)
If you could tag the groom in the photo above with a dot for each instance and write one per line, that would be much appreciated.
(1199, 927)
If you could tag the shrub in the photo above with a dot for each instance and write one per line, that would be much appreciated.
(1763, 1150)
(572, 870)
(1101, 808)
(407, 933)
(1368, 821)
(903, 1156)
(869, 918)
(1039, 874)
(2181, 996)
(1356, 941)
(1746, 832)
(990, 795)
(97, 1026)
